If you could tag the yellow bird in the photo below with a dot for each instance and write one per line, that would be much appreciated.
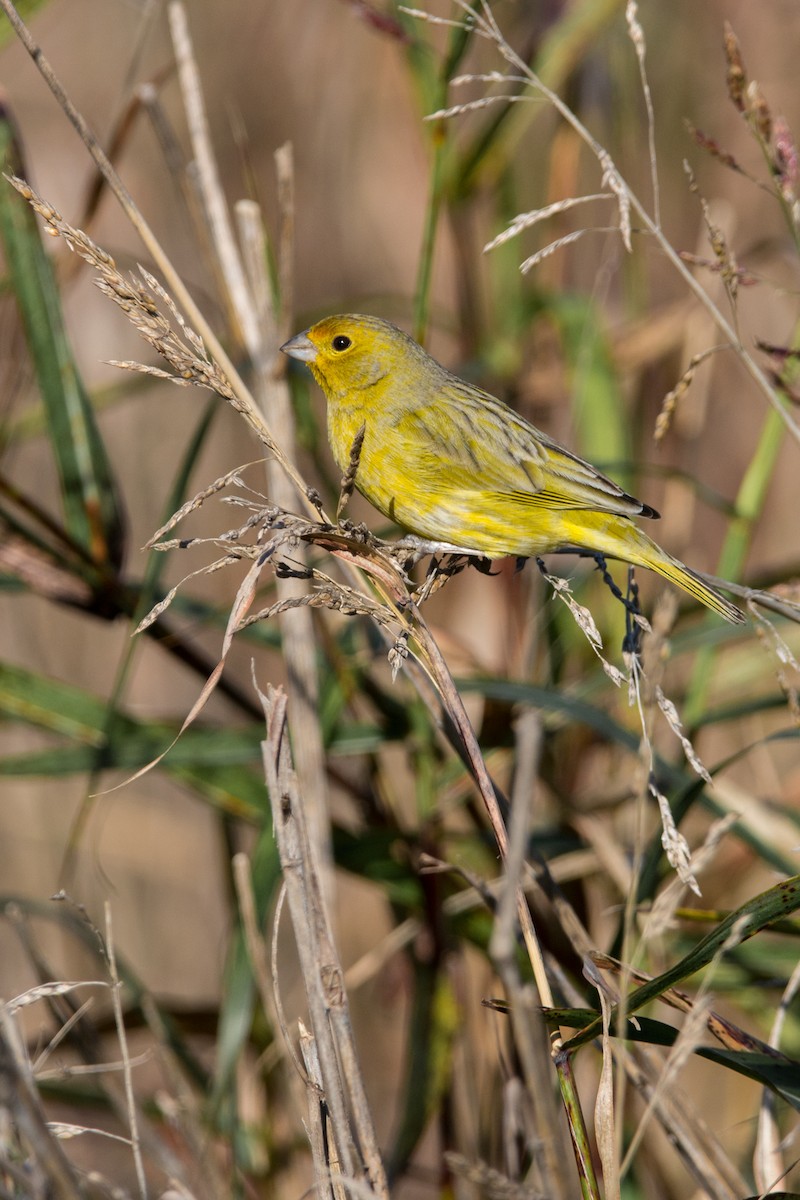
(460, 469)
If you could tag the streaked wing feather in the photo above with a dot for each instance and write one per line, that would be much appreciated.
(481, 443)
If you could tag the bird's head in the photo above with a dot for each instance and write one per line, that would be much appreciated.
(348, 353)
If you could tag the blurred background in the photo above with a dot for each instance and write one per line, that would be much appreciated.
(391, 216)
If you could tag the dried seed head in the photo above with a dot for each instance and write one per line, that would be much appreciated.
(737, 77)
(712, 147)
(759, 111)
(669, 404)
(785, 161)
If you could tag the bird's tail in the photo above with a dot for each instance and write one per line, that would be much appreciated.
(691, 582)
(620, 538)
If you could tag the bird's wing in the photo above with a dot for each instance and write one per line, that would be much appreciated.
(574, 483)
(476, 443)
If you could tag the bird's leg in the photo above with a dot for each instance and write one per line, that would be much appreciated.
(437, 574)
(348, 481)
(629, 602)
(484, 565)
(632, 642)
(430, 582)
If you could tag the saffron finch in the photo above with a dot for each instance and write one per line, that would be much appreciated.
(460, 469)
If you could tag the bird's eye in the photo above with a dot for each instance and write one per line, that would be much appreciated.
(341, 342)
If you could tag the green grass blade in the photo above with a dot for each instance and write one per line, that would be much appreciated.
(759, 913)
(460, 37)
(215, 763)
(603, 427)
(749, 503)
(770, 1068)
(433, 1027)
(91, 508)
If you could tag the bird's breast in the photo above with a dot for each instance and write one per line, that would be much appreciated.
(345, 419)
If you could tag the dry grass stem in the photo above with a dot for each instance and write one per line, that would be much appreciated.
(529, 219)
(491, 1184)
(230, 271)
(607, 1129)
(436, 666)
(119, 1021)
(265, 972)
(529, 1033)
(585, 622)
(280, 1014)
(700, 1151)
(769, 1167)
(252, 236)
(670, 402)
(648, 695)
(689, 1038)
(49, 1172)
(637, 37)
(284, 170)
(322, 973)
(662, 914)
(323, 1146)
(253, 936)
(533, 260)
(298, 638)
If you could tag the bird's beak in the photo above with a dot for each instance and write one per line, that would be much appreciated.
(300, 347)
